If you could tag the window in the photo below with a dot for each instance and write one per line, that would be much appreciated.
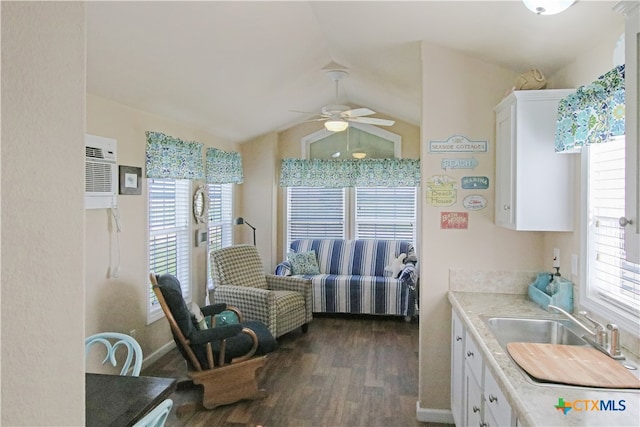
(385, 213)
(612, 283)
(315, 213)
(326, 213)
(220, 220)
(169, 235)
(354, 212)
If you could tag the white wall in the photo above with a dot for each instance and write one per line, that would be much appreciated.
(43, 119)
(459, 94)
(259, 196)
(119, 303)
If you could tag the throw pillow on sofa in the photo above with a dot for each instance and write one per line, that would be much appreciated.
(303, 263)
(396, 266)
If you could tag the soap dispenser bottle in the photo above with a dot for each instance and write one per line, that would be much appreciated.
(552, 288)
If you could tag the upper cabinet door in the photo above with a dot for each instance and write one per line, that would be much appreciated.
(632, 93)
(534, 186)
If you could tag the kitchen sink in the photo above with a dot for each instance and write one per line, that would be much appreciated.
(549, 331)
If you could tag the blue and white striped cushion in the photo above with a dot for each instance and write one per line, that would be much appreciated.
(360, 294)
(353, 257)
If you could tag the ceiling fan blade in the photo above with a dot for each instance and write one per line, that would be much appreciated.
(357, 112)
(321, 119)
(309, 112)
(372, 121)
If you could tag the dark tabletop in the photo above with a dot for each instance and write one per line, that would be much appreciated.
(114, 400)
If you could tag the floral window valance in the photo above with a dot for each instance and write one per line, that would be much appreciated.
(593, 114)
(350, 173)
(169, 157)
(223, 167)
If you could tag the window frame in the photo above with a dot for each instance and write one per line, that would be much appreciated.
(589, 298)
(226, 222)
(154, 311)
(323, 133)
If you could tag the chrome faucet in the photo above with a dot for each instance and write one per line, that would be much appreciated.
(600, 333)
(610, 347)
(614, 345)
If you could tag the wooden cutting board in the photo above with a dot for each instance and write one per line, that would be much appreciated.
(568, 364)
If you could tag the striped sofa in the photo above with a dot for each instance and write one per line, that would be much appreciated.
(353, 277)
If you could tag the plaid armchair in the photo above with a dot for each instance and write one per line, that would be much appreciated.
(282, 303)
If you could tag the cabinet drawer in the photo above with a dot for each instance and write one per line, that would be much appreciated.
(495, 402)
(473, 358)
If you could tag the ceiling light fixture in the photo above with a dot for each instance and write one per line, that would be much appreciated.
(547, 7)
(359, 155)
(336, 125)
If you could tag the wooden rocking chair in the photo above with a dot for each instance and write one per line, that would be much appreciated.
(225, 360)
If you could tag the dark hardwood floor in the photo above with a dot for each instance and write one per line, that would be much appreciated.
(345, 371)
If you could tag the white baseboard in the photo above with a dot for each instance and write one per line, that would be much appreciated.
(153, 357)
(428, 415)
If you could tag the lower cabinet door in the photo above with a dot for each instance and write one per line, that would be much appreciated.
(473, 411)
(495, 403)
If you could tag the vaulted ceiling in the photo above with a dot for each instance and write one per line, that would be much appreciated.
(236, 68)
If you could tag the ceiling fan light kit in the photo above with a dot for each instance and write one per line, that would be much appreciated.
(337, 117)
(336, 125)
(547, 7)
(359, 155)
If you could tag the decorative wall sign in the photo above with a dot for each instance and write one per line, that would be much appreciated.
(130, 178)
(454, 220)
(475, 182)
(457, 144)
(462, 163)
(474, 202)
(441, 190)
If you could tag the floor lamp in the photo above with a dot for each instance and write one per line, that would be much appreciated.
(239, 220)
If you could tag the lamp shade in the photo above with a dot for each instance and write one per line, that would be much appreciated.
(336, 125)
(547, 7)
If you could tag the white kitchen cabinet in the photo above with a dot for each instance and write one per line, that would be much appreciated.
(473, 409)
(476, 398)
(457, 370)
(534, 185)
(473, 383)
(632, 124)
(497, 409)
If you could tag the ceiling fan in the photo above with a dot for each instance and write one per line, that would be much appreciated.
(337, 117)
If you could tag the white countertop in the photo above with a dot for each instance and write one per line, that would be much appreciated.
(533, 404)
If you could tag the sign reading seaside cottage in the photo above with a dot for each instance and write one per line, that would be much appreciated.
(457, 144)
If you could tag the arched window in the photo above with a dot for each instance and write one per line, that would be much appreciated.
(358, 141)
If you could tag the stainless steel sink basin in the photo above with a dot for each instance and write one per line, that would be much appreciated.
(550, 331)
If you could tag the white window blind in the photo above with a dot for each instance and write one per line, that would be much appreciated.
(610, 276)
(385, 213)
(169, 236)
(220, 219)
(353, 213)
(315, 213)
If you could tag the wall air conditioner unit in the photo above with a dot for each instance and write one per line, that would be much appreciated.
(101, 174)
